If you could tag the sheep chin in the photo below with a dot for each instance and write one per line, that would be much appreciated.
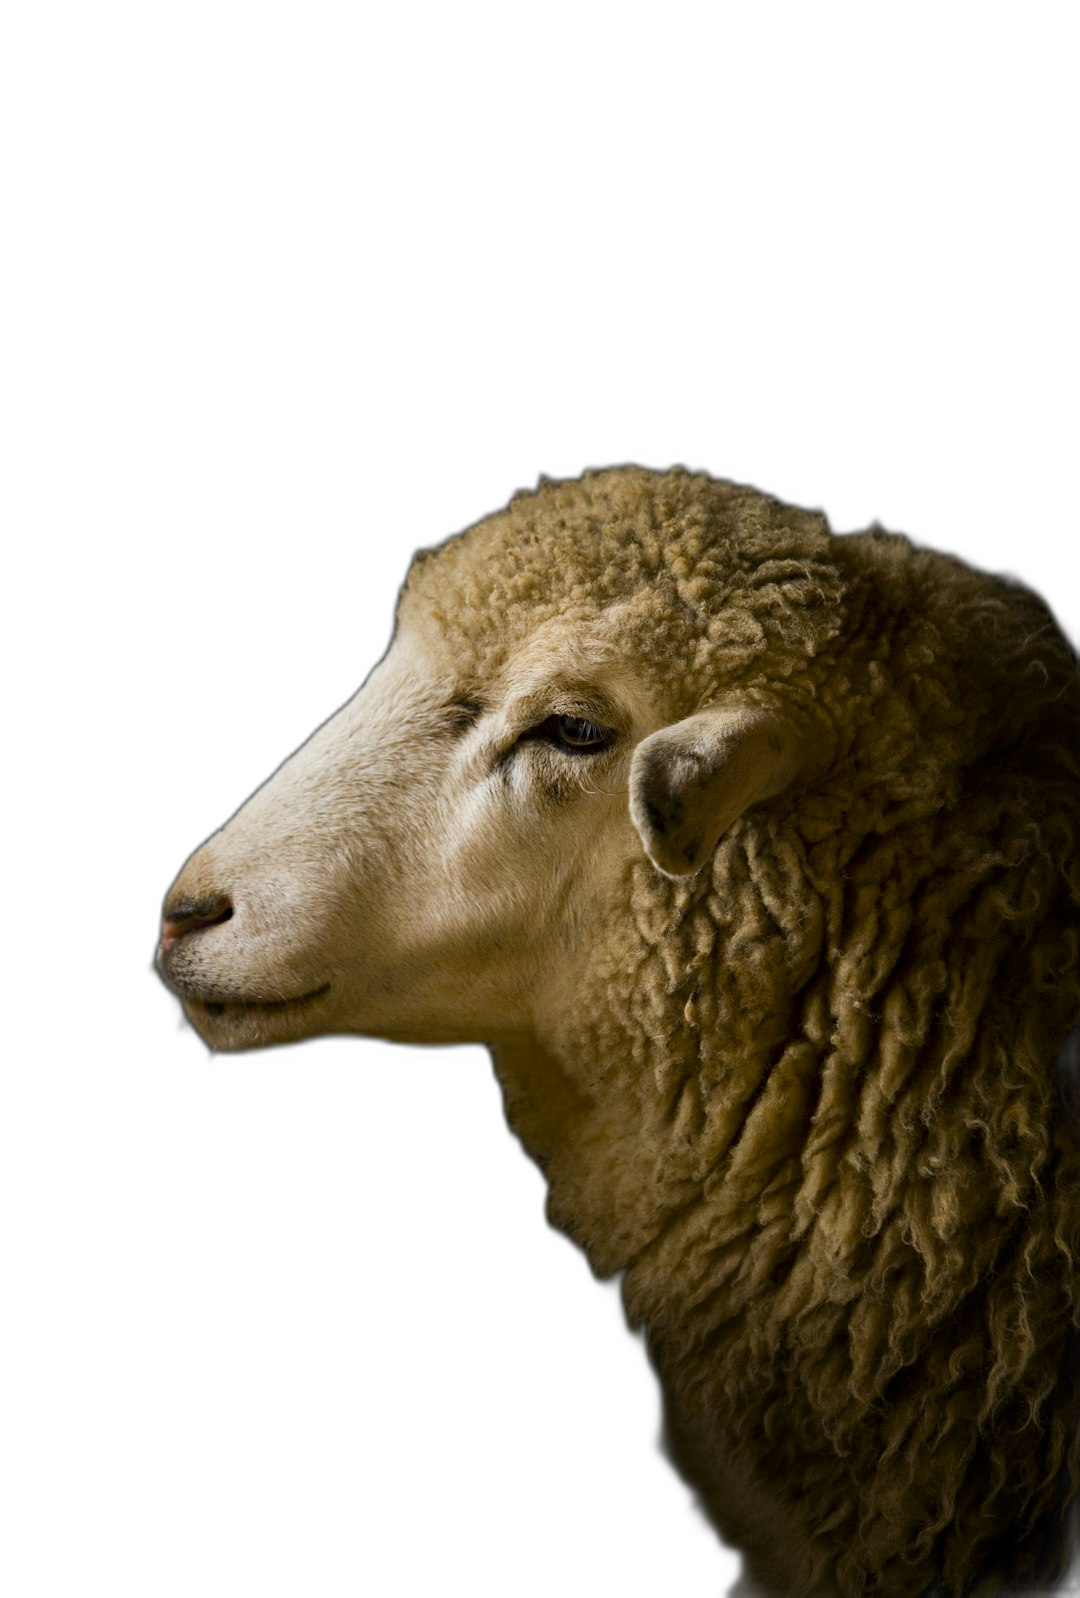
(227, 1026)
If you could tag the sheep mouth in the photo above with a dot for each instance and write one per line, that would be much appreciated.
(219, 1008)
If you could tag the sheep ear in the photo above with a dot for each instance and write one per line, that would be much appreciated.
(689, 782)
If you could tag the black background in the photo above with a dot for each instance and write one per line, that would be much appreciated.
(321, 1315)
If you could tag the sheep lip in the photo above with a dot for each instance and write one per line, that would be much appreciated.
(218, 1006)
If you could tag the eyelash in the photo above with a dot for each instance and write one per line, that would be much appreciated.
(575, 735)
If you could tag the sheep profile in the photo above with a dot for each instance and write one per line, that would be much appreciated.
(753, 854)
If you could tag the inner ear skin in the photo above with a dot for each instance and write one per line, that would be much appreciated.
(664, 818)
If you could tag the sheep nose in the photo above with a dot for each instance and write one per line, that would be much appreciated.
(192, 915)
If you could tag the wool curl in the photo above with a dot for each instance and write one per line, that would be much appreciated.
(828, 1060)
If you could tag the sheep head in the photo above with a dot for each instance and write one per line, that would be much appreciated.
(429, 864)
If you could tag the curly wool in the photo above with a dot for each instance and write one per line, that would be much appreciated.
(810, 1109)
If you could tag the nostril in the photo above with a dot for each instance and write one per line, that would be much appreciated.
(192, 915)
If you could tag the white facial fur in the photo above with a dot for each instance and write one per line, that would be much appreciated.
(419, 869)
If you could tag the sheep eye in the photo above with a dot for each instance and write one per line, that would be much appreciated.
(578, 733)
(574, 732)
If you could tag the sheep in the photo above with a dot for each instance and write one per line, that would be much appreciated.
(752, 854)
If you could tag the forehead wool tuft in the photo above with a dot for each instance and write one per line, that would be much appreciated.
(705, 575)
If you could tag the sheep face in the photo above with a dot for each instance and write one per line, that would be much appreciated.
(427, 866)
(433, 864)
